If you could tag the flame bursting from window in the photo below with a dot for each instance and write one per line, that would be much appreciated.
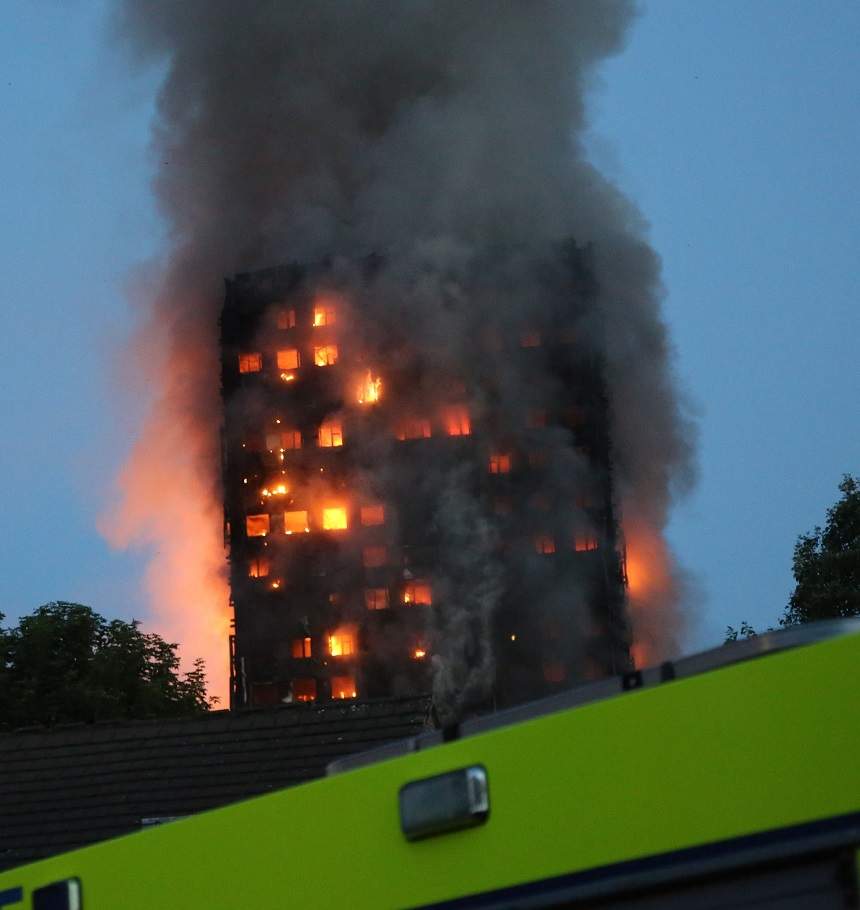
(341, 642)
(651, 591)
(334, 518)
(369, 389)
(275, 489)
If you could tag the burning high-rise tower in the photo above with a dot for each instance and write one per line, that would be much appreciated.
(407, 501)
(426, 162)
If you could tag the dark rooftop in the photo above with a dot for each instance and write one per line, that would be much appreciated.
(65, 787)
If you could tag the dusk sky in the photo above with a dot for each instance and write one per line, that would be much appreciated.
(735, 128)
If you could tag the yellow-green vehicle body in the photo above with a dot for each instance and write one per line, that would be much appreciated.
(681, 777)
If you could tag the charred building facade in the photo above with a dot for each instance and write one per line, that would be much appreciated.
(417, 483)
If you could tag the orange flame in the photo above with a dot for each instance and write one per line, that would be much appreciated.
(168, 507)
(334, 518)
(342, 642)
(651, 591)
(276, 489)
(370, 389)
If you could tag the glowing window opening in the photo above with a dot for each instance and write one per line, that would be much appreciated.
(325, 355)
(335, 518)
(500, 464)
(250, 363)
(341, 644)
(458, 422)
(545, 544)
(296, 522)
(291, 439)
(343, 687)
(418, 428)
(330, 434)
(376, 598)
(301, 647)
(418, 593)
(324, 315)
(584, 542)
(289, 359)
(256, 525)
(258, 567)
(373, 515)
(370, 389)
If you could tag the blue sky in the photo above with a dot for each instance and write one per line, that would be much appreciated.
(734, 125)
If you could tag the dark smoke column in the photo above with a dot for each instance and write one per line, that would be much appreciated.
(444, 138)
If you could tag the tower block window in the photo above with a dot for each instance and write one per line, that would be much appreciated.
(376, 598)
(545, 544)
(258, 567)
(325, 355)
(289, 359)
(457, 422)
(374, 557)
(330, 434)
(341, 644)
(324, 315)
(500, 464)
(373, 515)
(530, 339)
(583, 542)
(286, 318)
(418, 428)
(257, 525)
(250, 363)
(296, 522)
(335, 518)
(418, 593)
(343, 687)
(301, 647)
(535, 419)
(291, 439)
(304, 689)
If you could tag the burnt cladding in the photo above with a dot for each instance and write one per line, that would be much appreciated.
(418, 497)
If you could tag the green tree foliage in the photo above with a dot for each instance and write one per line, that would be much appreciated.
(745, 631)
(65, 663)
(826, 567)
(826, 564)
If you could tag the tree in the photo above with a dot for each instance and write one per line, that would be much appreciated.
(826, 564)
(745, 631)
(826, 567)
(65, 663)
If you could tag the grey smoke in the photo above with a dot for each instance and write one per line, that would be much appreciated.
(435, 131)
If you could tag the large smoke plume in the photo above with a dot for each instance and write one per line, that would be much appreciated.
(434, 132)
